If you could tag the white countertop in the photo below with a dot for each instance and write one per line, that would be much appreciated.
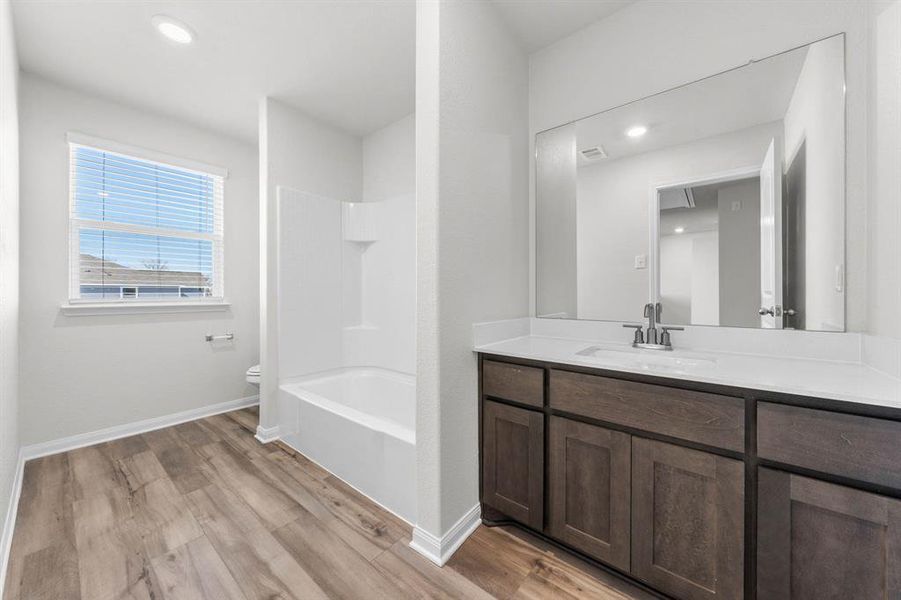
(835, 380)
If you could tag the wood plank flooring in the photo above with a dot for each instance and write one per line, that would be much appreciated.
(202, 510)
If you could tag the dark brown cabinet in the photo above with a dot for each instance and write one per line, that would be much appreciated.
(513, 462)
(687, 521)
(817, 540)
(648, 476)
(710, 419)
(589, 485)
(513, 382)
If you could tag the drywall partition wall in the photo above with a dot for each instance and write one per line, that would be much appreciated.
(814, 120)
(84, 373)
(386, 336)
(472, 242)
(882, 347)
(298, 152)
(573, 78)
(613, 206)
(9, 262)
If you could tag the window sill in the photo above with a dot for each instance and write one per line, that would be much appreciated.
(92, 309)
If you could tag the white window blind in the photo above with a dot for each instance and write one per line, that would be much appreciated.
(141, 230)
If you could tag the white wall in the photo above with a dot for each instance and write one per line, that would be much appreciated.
(613, 207)
(675, 277)
(472, 233)
(705, 279)
(882, 347)
(80, 374)
(815, 115)
(884, 317)
(574, 78)
(9, 259)
(689, 278)
(299, 152)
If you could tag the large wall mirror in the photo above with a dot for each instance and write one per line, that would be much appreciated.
(723, 200)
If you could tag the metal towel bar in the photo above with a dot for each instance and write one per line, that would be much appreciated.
(214, 338)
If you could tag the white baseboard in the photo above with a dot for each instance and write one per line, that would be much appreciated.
(9, 522)
(266, 434)
(120, 431)
(439, 550)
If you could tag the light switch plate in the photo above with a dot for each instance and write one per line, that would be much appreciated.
(641, 261)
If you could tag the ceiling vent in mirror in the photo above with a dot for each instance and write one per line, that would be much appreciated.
(595, 153)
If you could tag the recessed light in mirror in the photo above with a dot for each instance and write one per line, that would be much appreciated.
(679, 230)
(173, 29)
(636, 131)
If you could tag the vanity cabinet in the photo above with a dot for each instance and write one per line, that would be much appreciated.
(513, 462)
(589, 486)
(696, 491)
(692, 416)
(687, 521)
(819, 540)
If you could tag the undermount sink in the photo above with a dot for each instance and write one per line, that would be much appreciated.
(676, 360)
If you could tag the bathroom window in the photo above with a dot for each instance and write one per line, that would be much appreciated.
(143, 227)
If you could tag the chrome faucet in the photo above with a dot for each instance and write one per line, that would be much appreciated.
(649, 340)
(652, 313)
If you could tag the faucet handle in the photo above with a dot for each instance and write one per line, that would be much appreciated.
(665, 337)
(639, 334)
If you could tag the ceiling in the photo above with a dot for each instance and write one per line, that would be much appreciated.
(350, 63)
(752, 95)
(539, 23)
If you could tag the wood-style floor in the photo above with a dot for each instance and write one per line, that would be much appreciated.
(203, 510)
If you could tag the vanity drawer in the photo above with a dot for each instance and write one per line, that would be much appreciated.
(861, 448)
(694, 416)
(513, 382)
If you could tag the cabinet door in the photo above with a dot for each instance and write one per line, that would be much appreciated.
(513, 462)
(590, 475)
(817, 540)
(687, 521)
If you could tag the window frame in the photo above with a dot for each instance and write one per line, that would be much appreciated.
(75, 303)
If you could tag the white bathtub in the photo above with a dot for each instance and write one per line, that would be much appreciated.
(359, 424)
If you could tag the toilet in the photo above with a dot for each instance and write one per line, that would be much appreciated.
(253, 375)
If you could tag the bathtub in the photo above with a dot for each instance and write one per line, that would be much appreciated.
(360, 424)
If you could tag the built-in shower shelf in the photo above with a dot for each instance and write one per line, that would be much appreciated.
(361, 221)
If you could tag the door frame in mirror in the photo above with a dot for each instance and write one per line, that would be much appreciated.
(654, 219)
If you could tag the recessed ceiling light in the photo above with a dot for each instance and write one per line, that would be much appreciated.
(636, 131)
(173, 29)
(679, 229)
